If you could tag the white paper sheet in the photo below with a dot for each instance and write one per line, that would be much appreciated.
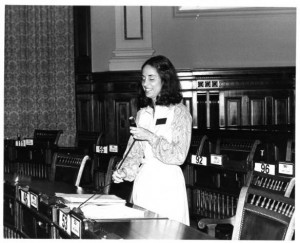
(98, 199)
(111, 212)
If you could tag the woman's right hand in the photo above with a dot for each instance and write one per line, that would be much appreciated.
(118, 176)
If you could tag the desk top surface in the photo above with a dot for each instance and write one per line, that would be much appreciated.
(148, 228)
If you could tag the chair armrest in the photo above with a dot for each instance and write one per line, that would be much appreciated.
(212, 223)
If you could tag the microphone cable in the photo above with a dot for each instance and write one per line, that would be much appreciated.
(99, 191)
(118, 166)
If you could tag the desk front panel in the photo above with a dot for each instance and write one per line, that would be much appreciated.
(36, 224)
(149, 229)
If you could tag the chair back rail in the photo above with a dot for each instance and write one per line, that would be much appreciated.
(47, 136)
(68, 167)
(274, 183)
(263, 216)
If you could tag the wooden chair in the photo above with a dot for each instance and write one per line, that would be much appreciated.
(290, 151)
(114, 160)
(260, 215)
(35, 160)
(86, 139)
(11, 232)
(202, 150)
(46, 137)
(122, 190)
(284, 149)
(85, 142)
(239, 152)
(71, 168)
(280, 185)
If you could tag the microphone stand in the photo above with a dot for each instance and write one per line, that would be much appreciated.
(78, 209)
(118, 166)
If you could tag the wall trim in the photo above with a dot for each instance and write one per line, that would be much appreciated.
(182, 12)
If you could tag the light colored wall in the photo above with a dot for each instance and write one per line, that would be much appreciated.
(223, 41)
(102, 36)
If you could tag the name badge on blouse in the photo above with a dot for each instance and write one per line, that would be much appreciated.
(161, 121)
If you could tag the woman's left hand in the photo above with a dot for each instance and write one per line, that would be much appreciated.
(140, 133)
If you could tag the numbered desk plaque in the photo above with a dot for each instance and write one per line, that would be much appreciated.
(199, 160)
(264, 168)
(113, 148)
(76, 226)
(24, 197)
(64, 220)
(34, 200)
(101, 149)
(286, 168)
(29, 141)
(216, 159)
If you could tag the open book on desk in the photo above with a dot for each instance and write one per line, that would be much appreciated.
(98, 199)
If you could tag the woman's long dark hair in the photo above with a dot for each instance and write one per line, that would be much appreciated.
(170, 91)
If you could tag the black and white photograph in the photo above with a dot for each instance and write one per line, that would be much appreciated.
(149, 120)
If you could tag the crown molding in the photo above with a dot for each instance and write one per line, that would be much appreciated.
(182, 12)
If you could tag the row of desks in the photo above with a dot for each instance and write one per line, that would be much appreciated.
(151, 227)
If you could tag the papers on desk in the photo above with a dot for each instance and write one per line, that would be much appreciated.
(101, 207)
(111, 212)
(98, 199)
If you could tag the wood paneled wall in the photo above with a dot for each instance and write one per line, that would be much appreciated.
(240, 96)
(216, 98)
(232, 97)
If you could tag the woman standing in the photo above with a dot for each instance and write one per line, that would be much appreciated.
(162, 136)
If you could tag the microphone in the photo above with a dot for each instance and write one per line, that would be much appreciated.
(78, 209)
(118, 166)
(132, 123)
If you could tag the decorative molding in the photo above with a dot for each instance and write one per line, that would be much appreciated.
(131, 53)
(205, 84)
(197, 12)
(133, 23)
(238, 78)
(120, 62)
(201, 79)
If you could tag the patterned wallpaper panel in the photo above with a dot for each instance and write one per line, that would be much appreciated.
(39, 84)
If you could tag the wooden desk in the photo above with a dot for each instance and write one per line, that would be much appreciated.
(148, 228)
(30, 160)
